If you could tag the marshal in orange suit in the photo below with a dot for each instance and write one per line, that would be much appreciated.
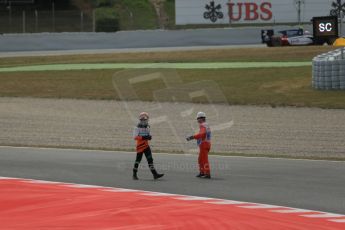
(204, 142)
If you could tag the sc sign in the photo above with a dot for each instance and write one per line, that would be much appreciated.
(325, 26)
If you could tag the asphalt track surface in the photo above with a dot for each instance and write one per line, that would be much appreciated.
(131, 39)
(315, 185)
(128, 39)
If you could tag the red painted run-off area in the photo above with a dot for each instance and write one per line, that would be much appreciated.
(30, 204)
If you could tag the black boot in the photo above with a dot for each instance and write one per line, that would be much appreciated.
(206, 176)
(157, 176)
(135, 176)
(200, 175)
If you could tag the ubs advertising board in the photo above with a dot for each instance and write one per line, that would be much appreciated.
(253, 11)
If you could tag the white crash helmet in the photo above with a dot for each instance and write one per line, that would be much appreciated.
(200, 115)
(143, 116)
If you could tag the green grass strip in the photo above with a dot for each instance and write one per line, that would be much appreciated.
(103, 66)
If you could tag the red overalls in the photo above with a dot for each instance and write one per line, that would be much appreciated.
(204, 142)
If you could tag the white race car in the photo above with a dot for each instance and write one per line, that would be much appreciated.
(293, 37)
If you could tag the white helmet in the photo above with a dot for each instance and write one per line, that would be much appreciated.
(200, 115)
(143, 115)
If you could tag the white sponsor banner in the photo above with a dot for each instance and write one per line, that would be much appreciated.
(253, 11)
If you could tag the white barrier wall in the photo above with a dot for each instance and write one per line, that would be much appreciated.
(250, 11)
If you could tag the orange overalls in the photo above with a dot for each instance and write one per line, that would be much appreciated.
(141, 144)
(204, 142)
(138, 134)
(143, 147)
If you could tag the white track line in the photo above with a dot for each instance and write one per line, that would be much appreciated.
(293, 210)
(158, 194)
(226, 202)
(119, 190)
(323, 215)
(193, 198)
(9, 178)
(42, 182)
(83, 186)
(260, 206)
(337, 220)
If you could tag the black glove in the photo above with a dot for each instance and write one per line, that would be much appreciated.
(148, 137)
(190, 138)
